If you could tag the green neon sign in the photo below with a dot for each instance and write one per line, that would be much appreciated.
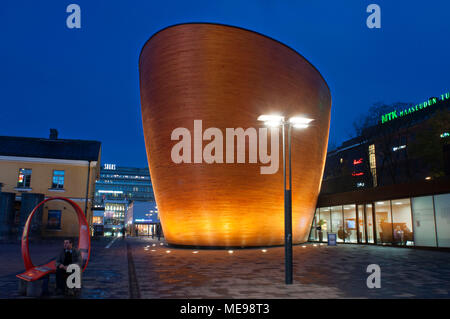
(396, 114)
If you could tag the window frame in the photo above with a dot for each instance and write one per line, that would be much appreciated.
(25, 179)
(58, 177)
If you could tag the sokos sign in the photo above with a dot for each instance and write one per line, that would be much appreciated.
(395, 114)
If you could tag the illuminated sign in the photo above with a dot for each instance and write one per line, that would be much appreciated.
(357, 174)
(396, 148)
(445, 134)
(395, 114)
(141, 220)
(356, 162)
(109, 166)
(110, 192)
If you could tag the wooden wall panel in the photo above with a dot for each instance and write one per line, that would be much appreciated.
(227, 77)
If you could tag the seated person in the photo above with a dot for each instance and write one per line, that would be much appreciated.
(69, 255)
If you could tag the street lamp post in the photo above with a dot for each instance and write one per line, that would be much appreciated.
(296, 122)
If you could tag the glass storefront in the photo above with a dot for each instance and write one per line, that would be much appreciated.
(144, 229)
(418, 221)
(442, 210)
(369, 223)
(325, 222)
(424, 223)
(361, 224)
(383, 222)
(336, 220)
(350, 234)
(313, 235)
(402, 222)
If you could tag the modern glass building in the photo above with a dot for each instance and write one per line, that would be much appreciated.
(401, 215)
(410, 145)
(114, 190)
(123, 183)
(141, 218)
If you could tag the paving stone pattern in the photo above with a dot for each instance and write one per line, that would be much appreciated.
(320, 271)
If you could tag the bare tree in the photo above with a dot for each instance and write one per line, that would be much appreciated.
(430, 142)
(385, 136)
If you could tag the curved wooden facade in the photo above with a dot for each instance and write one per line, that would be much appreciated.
(227, 77)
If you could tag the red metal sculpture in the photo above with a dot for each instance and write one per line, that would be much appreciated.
(32, 272)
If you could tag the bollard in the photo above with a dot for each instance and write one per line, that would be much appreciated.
(37, 288)
(22, 287)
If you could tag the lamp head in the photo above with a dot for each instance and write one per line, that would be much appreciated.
(300, 121)
(271, 120)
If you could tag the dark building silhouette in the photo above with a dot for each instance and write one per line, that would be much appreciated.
(387, 153)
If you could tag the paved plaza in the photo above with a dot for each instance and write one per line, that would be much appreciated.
(143, 268)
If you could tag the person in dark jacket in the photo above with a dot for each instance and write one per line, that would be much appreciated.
(124, 231)
(158, 231)
(69, 255)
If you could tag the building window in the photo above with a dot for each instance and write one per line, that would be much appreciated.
(324, 223)
(361, 224)
(24, 179)
(373, 164)
(402, 222)
(313, 234)
(336, 222)
(97, 220)
(369, 223)
(424, 223)
(442, 208)
(58, 179)
(383, 220)
(54, 220)
(350, 226)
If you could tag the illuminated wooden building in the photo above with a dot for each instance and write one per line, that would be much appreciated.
(226, 77)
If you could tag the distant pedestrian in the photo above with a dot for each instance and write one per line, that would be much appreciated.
(124, 230)
(153, 231)
(158, 231)
(136, 232)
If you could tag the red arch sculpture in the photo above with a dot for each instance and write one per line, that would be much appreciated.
(84, 240)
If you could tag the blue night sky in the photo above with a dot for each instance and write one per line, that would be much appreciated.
(85, 82)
